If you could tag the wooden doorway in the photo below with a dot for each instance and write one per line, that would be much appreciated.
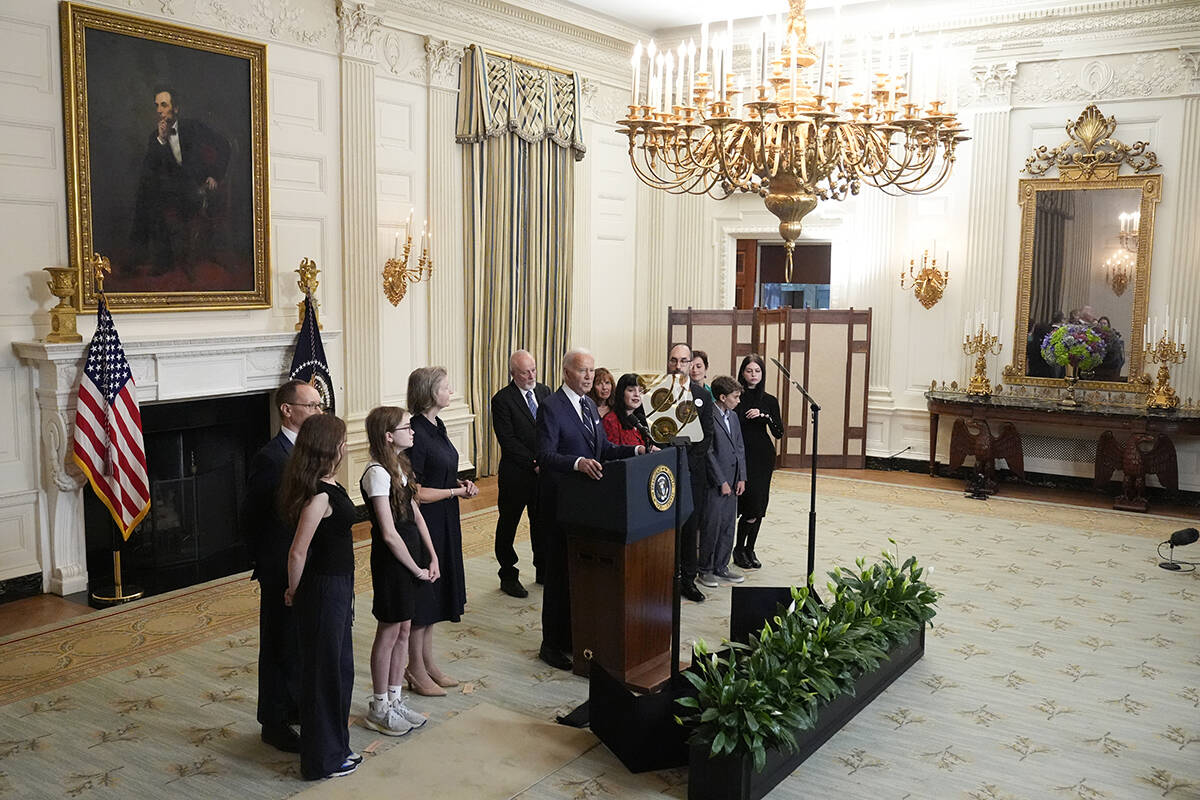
(745, 287)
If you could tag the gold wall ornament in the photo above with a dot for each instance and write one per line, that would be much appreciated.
(100, 267)
(1090, 151)
(1118, 270)
(396, 273)
(64, 285)
(929, 284)
(1167, 350)
(979, 344)
(308, 283)
(793, 137)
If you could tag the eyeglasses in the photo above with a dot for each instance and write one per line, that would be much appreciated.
(403, 428)
(311, 406)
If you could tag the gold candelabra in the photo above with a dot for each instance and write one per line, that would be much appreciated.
(1166, 350)
(1118, 270)
(929, 283)
(397, 276)
(307, 283)
(980, 344)
(793, 137)
(1130, 222)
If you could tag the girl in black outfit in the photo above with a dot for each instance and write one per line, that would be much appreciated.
(321, 586)
(398, 537)
(761, 420)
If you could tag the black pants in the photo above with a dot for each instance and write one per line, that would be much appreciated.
(326, 610)
(556, 593)
(689, 537)
(516, 494)
(278, 658)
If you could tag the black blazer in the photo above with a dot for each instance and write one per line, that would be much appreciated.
(516, 430)
(267, 536)
(697, 452)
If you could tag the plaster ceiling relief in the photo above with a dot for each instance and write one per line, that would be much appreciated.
(304, 22)
(1128, 75)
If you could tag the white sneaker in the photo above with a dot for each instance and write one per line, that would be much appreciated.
(414, 718)
(726, 574)
(386, 720)
(707, 579)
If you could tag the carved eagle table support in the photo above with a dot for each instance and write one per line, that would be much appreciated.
(1142, 454)
(974, 438)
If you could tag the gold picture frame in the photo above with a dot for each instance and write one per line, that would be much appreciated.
(166, 155)
(1088, 164)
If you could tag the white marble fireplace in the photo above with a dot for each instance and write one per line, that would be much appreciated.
(163, 369)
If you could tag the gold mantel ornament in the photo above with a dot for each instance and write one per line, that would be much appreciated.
(1163, 352)
(396, 274)
(929, 283)
(307, 284)
(63, 284)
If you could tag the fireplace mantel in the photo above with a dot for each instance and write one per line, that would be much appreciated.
(164, 368)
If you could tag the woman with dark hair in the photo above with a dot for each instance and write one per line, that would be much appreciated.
(435, 465)
(321, 586)
(699, 369)
(602, 393)
(761, 420)
(626, 423)
(398, 534)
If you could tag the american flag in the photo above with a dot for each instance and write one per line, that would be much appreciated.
(108, 428)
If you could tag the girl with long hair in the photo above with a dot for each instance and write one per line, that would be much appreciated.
(397, 533)
(321, 587)
(759, 414)
(627, 422)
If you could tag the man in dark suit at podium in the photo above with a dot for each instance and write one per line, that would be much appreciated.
(268, 539)
(679, 361)
(514, 415)
(570, 438)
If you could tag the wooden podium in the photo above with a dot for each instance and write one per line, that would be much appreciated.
(621, 558)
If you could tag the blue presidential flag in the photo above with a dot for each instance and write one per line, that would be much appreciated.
(309, 363)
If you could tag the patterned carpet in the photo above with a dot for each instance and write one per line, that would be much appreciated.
(1063, 664)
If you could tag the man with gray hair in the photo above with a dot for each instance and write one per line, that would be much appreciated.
(569, 438)
(514, 416)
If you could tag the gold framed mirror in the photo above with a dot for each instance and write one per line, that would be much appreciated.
(1087, 238)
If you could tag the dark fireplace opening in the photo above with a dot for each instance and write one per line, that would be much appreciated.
(197, 454)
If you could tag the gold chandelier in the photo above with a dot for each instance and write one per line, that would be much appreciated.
(793, 138)
(1118, 271)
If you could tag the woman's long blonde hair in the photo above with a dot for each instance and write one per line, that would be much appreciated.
(317, 453)
(380, 422)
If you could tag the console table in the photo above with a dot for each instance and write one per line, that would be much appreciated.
(1122, 420)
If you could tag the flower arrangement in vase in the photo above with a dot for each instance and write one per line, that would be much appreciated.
(1078, 348)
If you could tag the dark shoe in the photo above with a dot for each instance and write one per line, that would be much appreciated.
(282, 737)
(752, 561)
(540, 579)
(690, 591)
(556, 658)
(739, 558)
(513, 588)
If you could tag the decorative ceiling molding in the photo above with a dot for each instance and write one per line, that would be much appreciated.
(1164, 73)
(1112, 19)
(297, 22)
(500, 26)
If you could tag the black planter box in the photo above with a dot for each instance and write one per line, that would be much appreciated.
(730, 777)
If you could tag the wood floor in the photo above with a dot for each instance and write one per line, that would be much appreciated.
(34, 612)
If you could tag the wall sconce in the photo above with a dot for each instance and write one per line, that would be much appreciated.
(1118, 271)
(396, 274)
(929, 283)
(1129, 230)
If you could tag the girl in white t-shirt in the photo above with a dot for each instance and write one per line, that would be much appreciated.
(398, 533)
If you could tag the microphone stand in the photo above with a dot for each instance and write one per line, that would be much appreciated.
(812, 502)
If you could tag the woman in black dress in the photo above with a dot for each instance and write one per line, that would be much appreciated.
(761, 420)
(321, 586)
(435, 464)
(398, 533)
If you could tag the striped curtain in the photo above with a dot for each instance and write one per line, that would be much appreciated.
(1054, 210)
(522, 135)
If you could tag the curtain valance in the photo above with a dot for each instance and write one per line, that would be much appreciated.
(498, 95)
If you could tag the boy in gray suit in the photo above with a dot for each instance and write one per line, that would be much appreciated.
(726, 480)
